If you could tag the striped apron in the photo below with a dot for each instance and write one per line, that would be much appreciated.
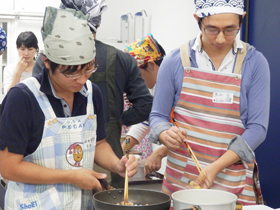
(67, 144)
(208, 109)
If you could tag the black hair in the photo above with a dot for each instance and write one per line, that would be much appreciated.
(200, 20)
(158, 62)
(28, 39)
(68, 70)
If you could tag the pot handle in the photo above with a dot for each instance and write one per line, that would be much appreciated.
(193, 208)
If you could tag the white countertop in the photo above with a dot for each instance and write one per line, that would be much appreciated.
(257, 207)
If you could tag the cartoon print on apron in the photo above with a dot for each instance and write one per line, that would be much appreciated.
(208, 109)
(67, 144)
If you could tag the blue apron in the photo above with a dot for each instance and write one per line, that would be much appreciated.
(67, 144)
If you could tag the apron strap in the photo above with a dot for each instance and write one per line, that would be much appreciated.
(184, 52)
(239, 59)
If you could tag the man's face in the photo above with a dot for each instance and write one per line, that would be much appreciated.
(149, 74)
(62, 82)
(220, 42)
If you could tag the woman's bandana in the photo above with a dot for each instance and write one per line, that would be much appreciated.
(67, 37)
(206, 8)
(144, 49)
(92, 7)
(3, 40)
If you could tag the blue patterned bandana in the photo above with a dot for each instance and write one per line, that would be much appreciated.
(92, 7)
(3, 40)
(204, 8)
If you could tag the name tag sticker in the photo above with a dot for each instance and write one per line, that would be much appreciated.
(223, 98)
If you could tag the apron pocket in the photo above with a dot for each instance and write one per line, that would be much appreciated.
(46, 200)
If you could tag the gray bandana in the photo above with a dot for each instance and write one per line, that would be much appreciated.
(67, 38)
(92, 7)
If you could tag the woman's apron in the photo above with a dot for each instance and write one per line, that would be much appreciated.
(67, 144)
(208, 109)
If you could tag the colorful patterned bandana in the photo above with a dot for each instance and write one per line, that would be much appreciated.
(3, 40)
(92, 7)
(206, 8)
(67, 38)
(144, 49)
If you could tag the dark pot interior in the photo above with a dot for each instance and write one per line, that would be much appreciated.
(108, 200)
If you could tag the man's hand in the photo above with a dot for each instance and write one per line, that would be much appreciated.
(173, 138)
(132, 143)
(153, 163)
(86, 179)
(211, 170)
(211, 173)
(130, 164)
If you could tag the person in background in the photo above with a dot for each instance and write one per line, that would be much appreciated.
(117, 73)
(149, 54)
(3, 40)
(52, 127)
(219, 88)
(27, 47)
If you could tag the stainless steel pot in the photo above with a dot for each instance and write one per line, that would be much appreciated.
(108, 199)
(206, 199)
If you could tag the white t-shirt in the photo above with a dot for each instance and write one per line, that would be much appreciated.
(140, 130)
(204, 62)
(9, 72)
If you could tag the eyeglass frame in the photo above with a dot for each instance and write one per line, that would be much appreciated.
(77, 76)
(219, 31)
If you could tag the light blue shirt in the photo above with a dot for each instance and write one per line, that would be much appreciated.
(254, 98)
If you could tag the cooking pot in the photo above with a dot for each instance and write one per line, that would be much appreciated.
(206, 199)
(108, 199)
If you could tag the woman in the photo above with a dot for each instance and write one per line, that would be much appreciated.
(27, 46)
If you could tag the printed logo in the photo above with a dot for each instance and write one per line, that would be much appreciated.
(73, 124)
(74, 155)
(28, 206)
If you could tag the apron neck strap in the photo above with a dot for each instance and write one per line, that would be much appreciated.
(239, 59)
(184, 52)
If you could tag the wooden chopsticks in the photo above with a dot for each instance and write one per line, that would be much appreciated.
(127, 142)
(196, 162)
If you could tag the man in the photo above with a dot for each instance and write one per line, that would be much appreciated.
(149, 55)
(221, 105)
(52, 126)
(117, 73)
(3, 40)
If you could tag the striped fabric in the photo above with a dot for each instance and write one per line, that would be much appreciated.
(64, 139)
(210, 127)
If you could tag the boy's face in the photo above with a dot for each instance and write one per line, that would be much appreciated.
(221, 42)
(149, 74)
(64, 83)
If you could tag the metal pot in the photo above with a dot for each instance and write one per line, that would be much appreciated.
(108, 199)
(206, 199)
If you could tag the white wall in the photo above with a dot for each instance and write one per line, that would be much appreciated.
(171, 22)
